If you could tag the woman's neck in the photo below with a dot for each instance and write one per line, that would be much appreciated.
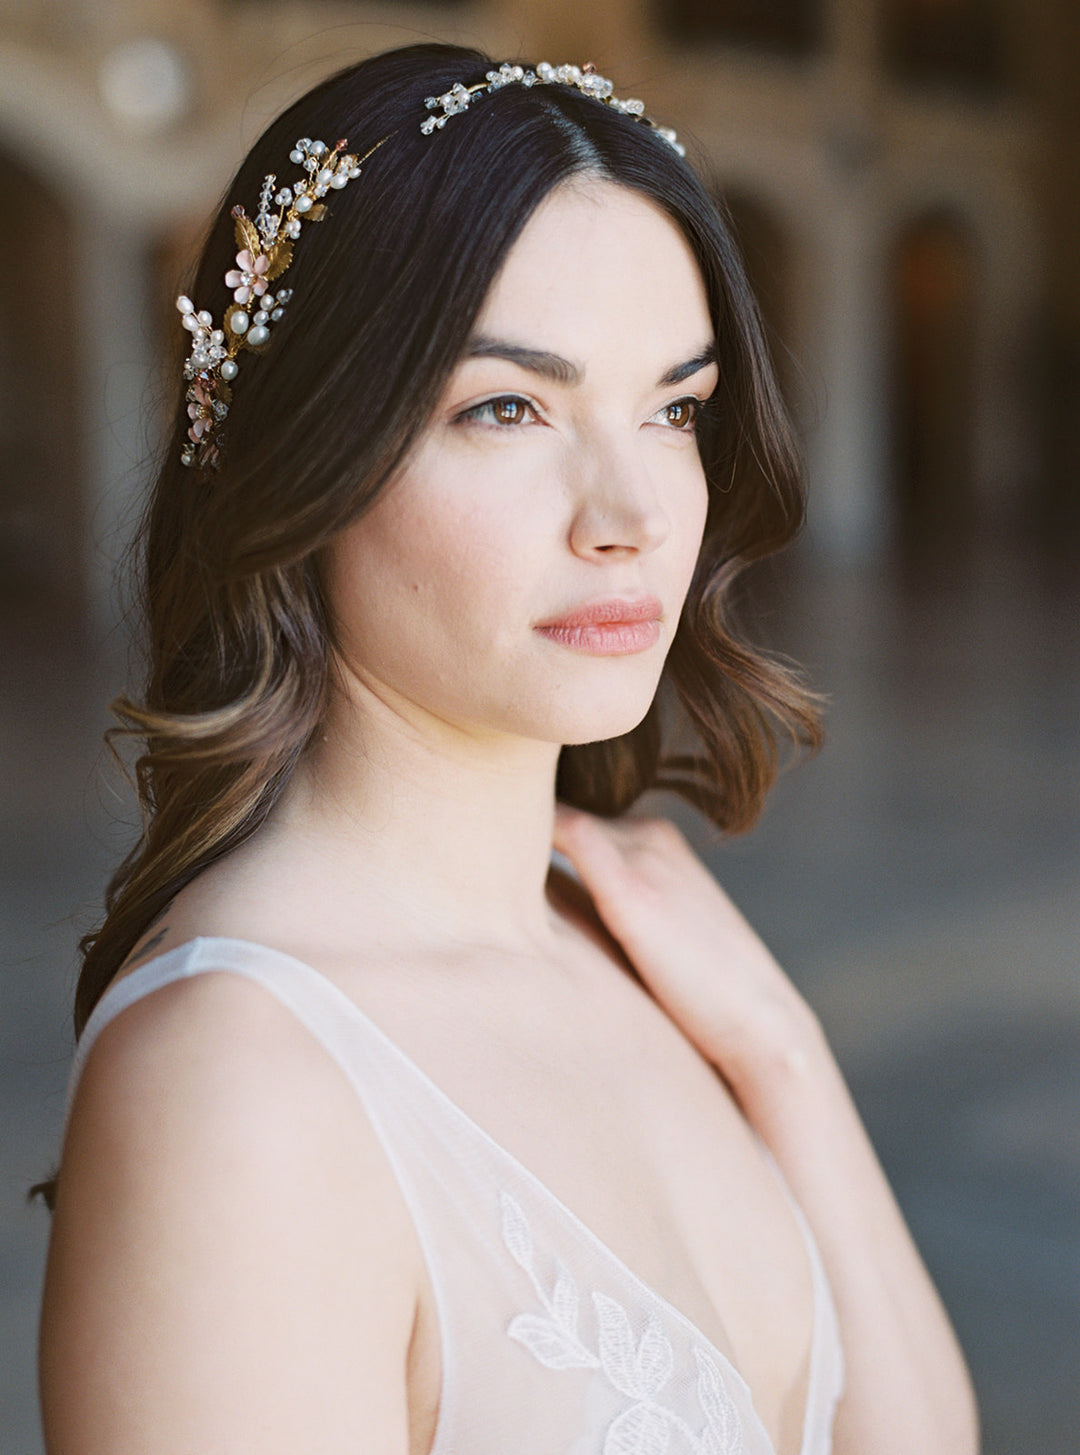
(426, 828)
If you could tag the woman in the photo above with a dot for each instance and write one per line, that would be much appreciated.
(453, 534)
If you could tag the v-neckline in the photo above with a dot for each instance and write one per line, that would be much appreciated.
(197, 948)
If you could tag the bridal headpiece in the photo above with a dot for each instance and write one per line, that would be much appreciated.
(265, 245)
(583, 78)
(264, 252)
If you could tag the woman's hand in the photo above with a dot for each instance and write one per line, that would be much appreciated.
(692, 948)
(907, 1388)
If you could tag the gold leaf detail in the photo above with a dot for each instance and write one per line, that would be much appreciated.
(247, 236)
(280, 256)
(317, 213)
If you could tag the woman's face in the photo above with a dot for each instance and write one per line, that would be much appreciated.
(525, 571)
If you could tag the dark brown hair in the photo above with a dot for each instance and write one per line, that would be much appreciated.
(386, 293)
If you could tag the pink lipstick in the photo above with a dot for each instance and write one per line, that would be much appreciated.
(610, 628)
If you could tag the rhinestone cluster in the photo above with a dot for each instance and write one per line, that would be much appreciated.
(583, 78)
(265, 250)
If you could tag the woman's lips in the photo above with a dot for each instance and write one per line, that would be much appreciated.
(608, 628)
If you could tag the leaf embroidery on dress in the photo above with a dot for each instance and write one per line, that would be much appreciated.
(552, 1339)
(723, 1431)
(638, 1369)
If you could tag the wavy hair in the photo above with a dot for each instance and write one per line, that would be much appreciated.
(240, 641)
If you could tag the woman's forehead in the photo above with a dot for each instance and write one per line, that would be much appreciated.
(599, 266)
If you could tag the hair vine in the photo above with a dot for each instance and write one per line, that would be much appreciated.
(265, 245)
(264, 253)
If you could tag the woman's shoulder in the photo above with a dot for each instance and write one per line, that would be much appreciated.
(219, 1171)
(174, 1006)
(195, 1062)
(201, 1054)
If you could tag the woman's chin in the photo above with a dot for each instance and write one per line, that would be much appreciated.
(603, 727)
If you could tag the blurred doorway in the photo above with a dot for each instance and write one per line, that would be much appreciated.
(767, 252)
(934, 289)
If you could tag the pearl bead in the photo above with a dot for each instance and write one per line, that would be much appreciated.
(185, 304)
(338, 180)
(303, 203)
(228, 370)
(277, 315)
(205, 318)
(261, 316)
(318, 148)
(258, 335)
(238, 321)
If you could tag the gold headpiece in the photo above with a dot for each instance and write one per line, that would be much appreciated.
(265, 246)
(265, 251)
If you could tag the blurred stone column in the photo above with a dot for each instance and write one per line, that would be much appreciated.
(848, 453)
(848, 456)
(119, 370)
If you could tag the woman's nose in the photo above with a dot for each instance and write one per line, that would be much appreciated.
(618, 507)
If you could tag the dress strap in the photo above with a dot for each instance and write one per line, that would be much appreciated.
(324, 1010)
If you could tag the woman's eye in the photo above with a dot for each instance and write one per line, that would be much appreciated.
(681, 413)
(506, 410)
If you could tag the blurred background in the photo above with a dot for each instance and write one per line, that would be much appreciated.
(904, 177)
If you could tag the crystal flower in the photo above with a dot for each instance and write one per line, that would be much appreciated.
(246, 279)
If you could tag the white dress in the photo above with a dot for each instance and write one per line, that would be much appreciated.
(550, 1344)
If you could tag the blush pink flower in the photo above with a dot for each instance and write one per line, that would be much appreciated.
(247, 279)
(200, 412)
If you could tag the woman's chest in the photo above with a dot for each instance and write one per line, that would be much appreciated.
(624, 1127)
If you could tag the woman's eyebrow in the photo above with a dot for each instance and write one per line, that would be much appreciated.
(562, 371)
(538, 361)
(692, 366)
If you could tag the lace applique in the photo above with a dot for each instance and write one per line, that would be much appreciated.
(639, 1370)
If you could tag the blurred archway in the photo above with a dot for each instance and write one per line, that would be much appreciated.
(41, 506)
